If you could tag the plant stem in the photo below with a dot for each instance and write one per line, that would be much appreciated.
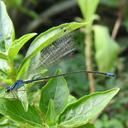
(11, 73)
(88, 60)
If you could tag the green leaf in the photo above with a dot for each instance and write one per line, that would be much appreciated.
(13, 3)
(57, 90)
(3, 56)
(110, 3)
(71, 99)
(88, 8)
(87, 126)
(18, 44)
(106, 49)
(51, 114)
(48, 37)
(13, 108)
(6, 27)
(22, 96)
(21, 74)
(85, 109)
(4, 65)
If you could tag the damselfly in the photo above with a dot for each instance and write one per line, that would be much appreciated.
(20, 83)
(48, 56)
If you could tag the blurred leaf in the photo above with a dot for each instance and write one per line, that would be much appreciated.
(3, 56)
(57, 90)
(13, 3)
(4, 65)
(87, 126)
(85, 109)
(106, 49)
(105, 122)
(18, 44)
(114, 123)
(13, 108)
(111, 3)
(51, 114)
(48, 37)
(125, 23)
(88, 8)
(6, 27)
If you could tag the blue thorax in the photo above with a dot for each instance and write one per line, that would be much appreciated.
(15, 86)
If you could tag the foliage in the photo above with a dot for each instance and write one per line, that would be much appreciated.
(55, 107)
(102, 40)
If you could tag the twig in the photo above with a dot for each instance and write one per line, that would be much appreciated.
(55, 9)
(116, 26)
(121, 4)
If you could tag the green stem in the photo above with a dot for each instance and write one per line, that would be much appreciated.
(12, 71)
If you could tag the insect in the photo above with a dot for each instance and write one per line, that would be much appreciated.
(48, 56)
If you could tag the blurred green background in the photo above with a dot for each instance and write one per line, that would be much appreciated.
(40, 15)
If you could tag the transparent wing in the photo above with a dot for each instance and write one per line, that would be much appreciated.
(51, 54)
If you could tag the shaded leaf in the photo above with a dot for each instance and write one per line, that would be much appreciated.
(106, 49)
(87, 126)
(85, 109)
(57, 90)
(13, 108)
(51, 114)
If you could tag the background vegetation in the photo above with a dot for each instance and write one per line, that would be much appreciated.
(101, 45)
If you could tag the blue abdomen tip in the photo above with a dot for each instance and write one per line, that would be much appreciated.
(110, 74)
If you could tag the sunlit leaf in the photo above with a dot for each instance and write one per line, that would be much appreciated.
(88, 8)
(22, 95)
(85, 109)
(6, 27)
(3, 56)
(4, 65)
(18, 44)
(48, 37)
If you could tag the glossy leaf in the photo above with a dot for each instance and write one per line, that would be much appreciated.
(48, 37)
(106, 49)
(85, 109)
(13, 108)
(6, 27)
(88, 8)
(18, 44)
(57, 90)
